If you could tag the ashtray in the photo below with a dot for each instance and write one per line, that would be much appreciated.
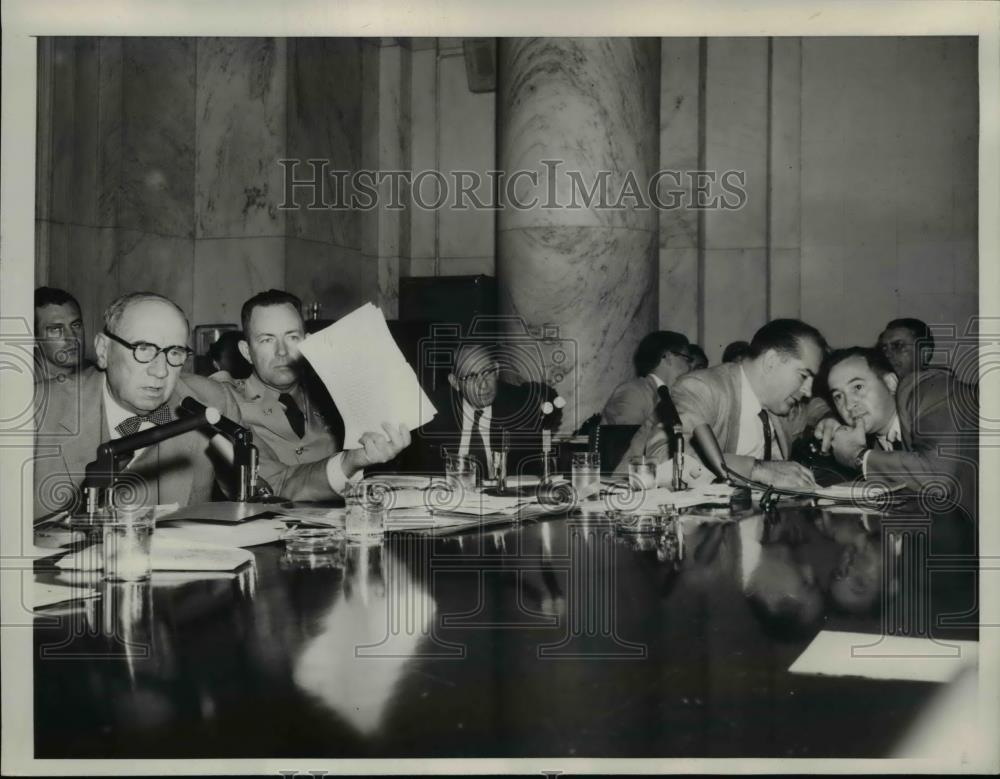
(642, 524)
(307, 540)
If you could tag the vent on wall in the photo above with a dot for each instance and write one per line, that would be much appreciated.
(481, 63)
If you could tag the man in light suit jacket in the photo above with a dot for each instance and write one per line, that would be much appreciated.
(918, 431)
(755, 407)
(300, 455)
(137, 384)
(660, 359)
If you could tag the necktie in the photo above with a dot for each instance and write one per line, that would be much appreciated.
(131, 425)
(477, 447)
(767, 433)
(294, 414)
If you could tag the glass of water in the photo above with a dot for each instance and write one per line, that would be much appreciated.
(585, 473)
(641, 473)
(367, 508)
(128, 544)
(462, 472)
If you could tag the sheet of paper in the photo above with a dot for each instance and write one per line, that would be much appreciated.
(44, 594)
(172, 550)
(252, 533)
(366, 375)
(220, 511)
(835, 653)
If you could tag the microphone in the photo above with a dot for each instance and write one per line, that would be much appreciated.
(246, 458)
(140, 440)
(710, 451)
(224, 425)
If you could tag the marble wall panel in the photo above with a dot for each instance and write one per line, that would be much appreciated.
(330, 275)
(679, 134)
(63, 198)
(240, 122)
(424, 140)
(785, 281)
(785, 144)
(679, 297)
(109, 144)
(736, 137)
(324, 122)
(228, 271)
(468, 143)
(87, 262)
(158, 138)
(157, 263)
(735, 297)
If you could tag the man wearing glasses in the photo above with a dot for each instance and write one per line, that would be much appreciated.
(474, 411)
(137, 384)
(907, 344)
(661, 358)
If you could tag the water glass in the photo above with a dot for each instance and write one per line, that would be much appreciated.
(585, 473)
(366, 509)
(461, 472)
(128, 543)
(642, 473)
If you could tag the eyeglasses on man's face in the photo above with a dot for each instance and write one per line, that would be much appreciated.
(486, 373)
(145, 352)
(687, 358)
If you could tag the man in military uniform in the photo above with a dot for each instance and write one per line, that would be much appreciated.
(300, 456)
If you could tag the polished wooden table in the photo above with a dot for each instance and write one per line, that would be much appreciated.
(556, 637)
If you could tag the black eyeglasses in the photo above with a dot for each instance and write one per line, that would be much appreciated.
(686, 357)
(145, 352)
(485, 373)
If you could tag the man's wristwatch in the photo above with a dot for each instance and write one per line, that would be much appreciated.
(859, 458)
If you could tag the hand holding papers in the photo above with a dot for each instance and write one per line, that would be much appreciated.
(369, 379)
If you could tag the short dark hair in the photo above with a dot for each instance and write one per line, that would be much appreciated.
(736, 351)
(921, 333)
(697, 354)
(874, 357)
(53, 296)
(272, 297)
(785, 335)
(653, 345)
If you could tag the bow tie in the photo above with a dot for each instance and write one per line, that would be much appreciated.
(158, 416)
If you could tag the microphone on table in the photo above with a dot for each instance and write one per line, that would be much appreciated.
(669, 417)
(245, 455)
(101, 474)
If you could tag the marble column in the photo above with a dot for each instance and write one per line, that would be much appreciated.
(592, 104)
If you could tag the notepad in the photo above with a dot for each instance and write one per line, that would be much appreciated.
(366, 375)
(835, 653)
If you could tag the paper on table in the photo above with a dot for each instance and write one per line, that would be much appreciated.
(856, 491)
(834, 653)
(172, 550)
(252, 533)
(366, 375)
(221, 511)
(44, 594)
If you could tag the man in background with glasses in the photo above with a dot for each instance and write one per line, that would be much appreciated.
(476, 408)
(908, 344)
(137, 384)
(661, 358)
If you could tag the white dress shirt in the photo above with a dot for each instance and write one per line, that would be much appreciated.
(751, 439)
(468, 417)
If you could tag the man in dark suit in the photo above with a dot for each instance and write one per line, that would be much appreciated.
(660, 359)
(475, 409)
(137, 384)
(918, 431)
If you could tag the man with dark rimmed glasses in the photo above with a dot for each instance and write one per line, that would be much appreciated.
(137, 384)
